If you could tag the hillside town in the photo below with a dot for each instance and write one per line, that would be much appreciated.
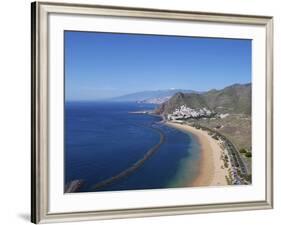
(184, 112)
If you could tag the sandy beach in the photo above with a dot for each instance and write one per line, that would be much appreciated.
(212, 172)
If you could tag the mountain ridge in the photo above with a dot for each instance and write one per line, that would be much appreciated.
(235, 98)
(146, 95)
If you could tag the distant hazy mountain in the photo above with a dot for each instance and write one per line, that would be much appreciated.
(232, 99)
(146, 96)
(157, 101)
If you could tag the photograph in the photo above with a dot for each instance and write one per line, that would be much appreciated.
(140, 112)
(147, 111)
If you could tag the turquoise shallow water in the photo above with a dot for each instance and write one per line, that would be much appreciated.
(103, 139)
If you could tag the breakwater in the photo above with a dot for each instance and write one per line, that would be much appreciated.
(135, 166)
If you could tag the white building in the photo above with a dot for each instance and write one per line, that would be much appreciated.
(184, 112)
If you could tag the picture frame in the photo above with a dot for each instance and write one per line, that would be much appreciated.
(42, 106)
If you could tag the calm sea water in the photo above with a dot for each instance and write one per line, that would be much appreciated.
(103, 139)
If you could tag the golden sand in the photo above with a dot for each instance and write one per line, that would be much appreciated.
(212, 171)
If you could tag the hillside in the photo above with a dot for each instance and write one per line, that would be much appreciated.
(232, 99)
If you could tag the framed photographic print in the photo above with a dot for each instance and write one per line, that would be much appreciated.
(147, 112)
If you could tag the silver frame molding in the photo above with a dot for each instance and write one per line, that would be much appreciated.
(39, 117)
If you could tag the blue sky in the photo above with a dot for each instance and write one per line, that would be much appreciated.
(105, 65)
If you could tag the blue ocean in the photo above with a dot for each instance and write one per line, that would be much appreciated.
(102, 139)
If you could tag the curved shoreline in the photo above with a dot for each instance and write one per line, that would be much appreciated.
(210, 163)
(135, 166)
